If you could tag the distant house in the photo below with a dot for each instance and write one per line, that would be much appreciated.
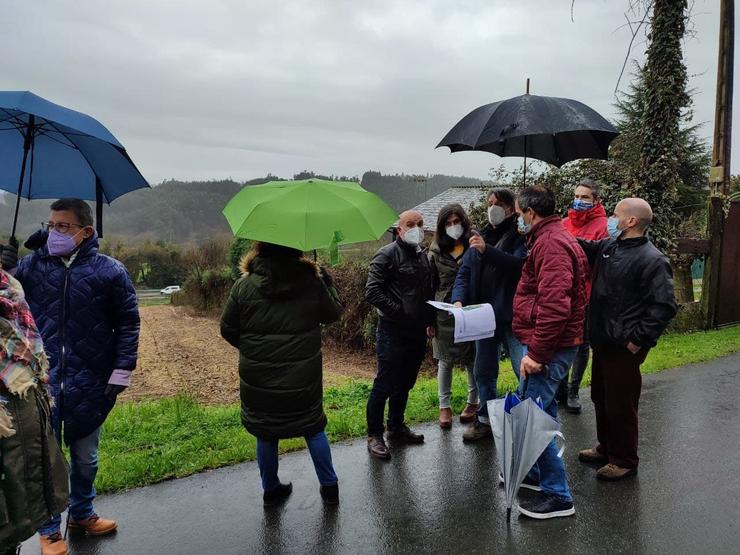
(464, 196)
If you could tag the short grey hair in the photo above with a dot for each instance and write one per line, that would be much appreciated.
(590, 184)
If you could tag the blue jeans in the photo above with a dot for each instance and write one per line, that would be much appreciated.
(549, 468)
(487, 357)
(318, 446)
(83, 467)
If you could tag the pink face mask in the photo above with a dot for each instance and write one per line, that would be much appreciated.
(60, 244)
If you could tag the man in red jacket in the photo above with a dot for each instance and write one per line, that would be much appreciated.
(549, 308)
(586, 220)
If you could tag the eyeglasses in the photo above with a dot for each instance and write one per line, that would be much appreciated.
(61, 227)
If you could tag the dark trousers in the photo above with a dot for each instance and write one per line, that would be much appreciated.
(400, 352)
(615, 390)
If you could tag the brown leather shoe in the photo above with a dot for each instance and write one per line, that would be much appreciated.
(477, 431)
(468, 414)
(94, 525)
(404, 434)
(53, 544)
(445, 418)
(377, 448)
(592, 456)
(613, 473)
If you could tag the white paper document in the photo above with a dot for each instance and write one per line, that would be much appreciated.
(472, 322)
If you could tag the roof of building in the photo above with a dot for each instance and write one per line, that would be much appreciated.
(465, 196)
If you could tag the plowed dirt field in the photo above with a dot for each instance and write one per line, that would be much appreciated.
(183, 353)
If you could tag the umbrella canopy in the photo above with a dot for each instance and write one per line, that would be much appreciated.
(554, 130)
(309, 214)
(521, 431)
(48, 151)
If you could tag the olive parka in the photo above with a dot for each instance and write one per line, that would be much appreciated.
(273, 316)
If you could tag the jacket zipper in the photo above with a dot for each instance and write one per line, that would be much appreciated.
(63, 361)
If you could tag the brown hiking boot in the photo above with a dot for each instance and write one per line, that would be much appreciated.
(93, 525)
(53, 544)
(476, 431)
(445, 418)
(614, 473)
(468, 414)
(377, 448)
(592, 456)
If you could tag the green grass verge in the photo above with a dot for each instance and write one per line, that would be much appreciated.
(150, 441)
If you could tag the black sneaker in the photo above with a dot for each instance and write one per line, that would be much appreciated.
(405, 435)
(527, 483)
(330, 494)
(277, 495)
(546, 506)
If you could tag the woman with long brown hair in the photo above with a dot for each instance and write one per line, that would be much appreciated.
(451, 241)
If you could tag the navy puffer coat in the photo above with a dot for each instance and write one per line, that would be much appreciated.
(88, 317)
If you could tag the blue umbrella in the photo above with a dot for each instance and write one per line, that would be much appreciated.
(48, 151)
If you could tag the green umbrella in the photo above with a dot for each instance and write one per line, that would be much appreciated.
(309, 214)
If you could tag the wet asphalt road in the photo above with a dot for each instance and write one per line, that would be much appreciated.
(442, 497)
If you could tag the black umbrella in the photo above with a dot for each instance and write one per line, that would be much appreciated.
(554, 130)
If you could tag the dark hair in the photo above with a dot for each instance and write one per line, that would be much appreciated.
(538, 198)
(444, 241)
(267, 250)
(590, 184)
(78, 207)
(503, 195)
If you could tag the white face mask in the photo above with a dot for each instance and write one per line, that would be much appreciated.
(413, 236)
(496, 214)
(454, 231)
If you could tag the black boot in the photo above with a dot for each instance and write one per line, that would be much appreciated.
(561, 395)
(574, 403)
(330, 494)
(277, 495)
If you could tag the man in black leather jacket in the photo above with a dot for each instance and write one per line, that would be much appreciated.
(632, 303)
(398, 286)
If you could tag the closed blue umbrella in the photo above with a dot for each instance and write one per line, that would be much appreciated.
(48, 151)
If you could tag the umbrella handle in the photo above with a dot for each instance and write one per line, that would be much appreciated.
(545, 372)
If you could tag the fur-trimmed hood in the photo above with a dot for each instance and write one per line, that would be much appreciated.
(279, 276)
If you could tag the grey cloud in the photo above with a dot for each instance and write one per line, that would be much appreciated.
(238, 88)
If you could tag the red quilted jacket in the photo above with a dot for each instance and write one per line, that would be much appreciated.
(550, 301)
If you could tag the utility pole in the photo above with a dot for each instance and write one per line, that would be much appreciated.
(719, 174)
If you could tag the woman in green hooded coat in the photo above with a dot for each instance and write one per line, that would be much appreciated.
(273, 316)
(34, 485)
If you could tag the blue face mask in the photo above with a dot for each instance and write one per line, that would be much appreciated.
(612, 229)
(581, 205)
(523, 228)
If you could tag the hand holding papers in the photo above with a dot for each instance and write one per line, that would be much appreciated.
(471, 322)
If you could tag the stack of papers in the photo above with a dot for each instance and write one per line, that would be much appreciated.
(471, 322)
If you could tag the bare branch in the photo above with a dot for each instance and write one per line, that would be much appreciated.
(635, 31)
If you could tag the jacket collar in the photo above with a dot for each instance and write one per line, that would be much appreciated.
(579, 218)
(88, 248)
(542, 225)
(631, 242)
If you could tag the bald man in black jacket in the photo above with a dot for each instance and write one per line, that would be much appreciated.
(632, 303)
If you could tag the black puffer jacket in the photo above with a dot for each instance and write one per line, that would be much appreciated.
(399, 285)
(632, 296)
(273, 317)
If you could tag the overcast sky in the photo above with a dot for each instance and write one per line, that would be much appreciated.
(237, 88)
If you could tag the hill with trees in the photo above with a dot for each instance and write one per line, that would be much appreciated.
(181, 212)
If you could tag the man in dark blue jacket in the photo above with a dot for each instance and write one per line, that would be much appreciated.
(85, 306)
(489, 274)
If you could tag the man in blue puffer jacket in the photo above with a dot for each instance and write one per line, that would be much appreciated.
(86, 309)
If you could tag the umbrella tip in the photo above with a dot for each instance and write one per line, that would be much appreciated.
(527, 85)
